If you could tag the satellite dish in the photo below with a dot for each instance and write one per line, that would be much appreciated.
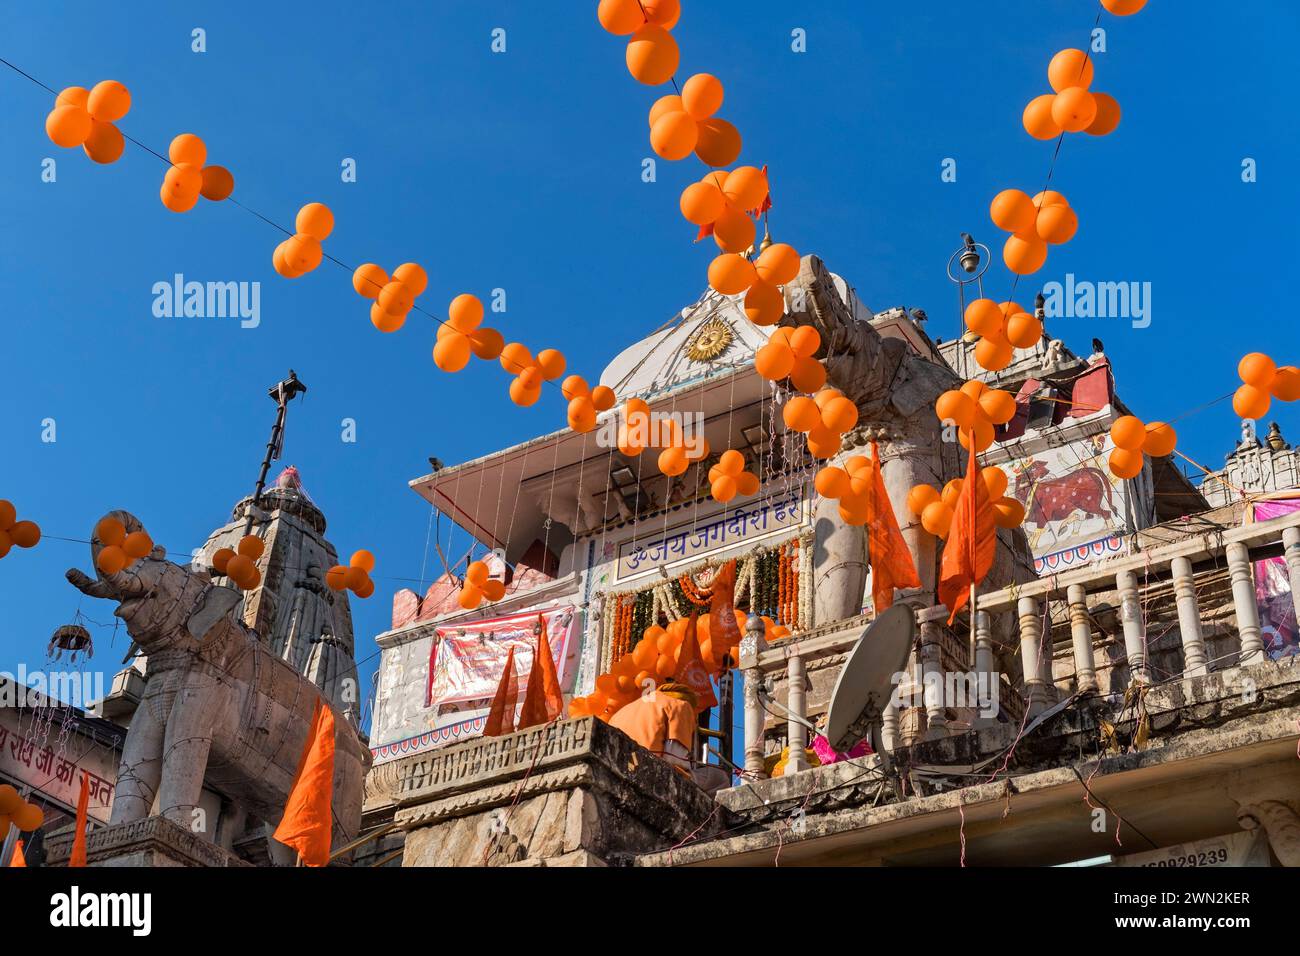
(866, 682)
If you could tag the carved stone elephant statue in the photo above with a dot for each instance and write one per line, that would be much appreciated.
(219, 707)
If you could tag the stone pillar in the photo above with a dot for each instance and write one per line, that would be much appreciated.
(1243, 602)
(753, 723)
(1031, 633)
(984, 645)
(1085, 663)
(889, 727)
(932, 663)
(1291, 543)
(796, 680)
(839, 565)
(1130, 611)
(1189, 619)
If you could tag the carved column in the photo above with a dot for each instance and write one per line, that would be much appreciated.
(1243, 601)
(932, 663)
(1130, 612)
(796, 680)
(1031, 635)
(1189, 618)
(751, 645)
(839, 565)
(1085, 663)
(889, 727)
(984, 646)
(1280, 822)
(1291, 542)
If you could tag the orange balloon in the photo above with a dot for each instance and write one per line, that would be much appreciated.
(731, 274)
(1256, 368)
(672, 103)
(184, 179)
(652, 55)
(1056, 224)
(1286, 383)
(1038, 118)
(486, 343)
(702, 95)
(719, 142)
(1125, 463)
(240, 568)
(28, 817)
(937, 519)
(302, 253)
(68, 126)
(921, 497)
(1070, 68)
(1250, 401)
(823, 443)
(1049, 197)
(1024, 255)
(574, 386)
(1074, 109)
(465, 314)
(1123, 8)
(995, 482)
(839, 415)
(1008, 513)
(109, 531)
(111, 559)
(383, 321)
(1128, 432)
(469, 597)
(808, 375)
(178, 201)
(451, 352)
(983, 317)
(620, 17)
(801, 414)
(108, 101)
(1108, 115)
(316, 220)
(774, 361)
(582, 414)
(831, 482)
(723, 488)
(672, 461)
(997, 406)
(334, 578)
(983, 432)
(701, 203)
(188, 148)
(494, 590)
(1024, 330)
(778, 264)
(663, 13)
(27, 534)
(975, 388)
(747, 483)
(74, 96)
(734, 231)
(957, 407)
(674, 135)
(551, 362)
(218, 183)
(804, 341)
(476, 573)
(1013, 211)
(746, 187)
(993, 355)
(764, 305)
(1160, 439)
(369, 280)
(105, 143)
(251, 546)
(522, 395)
(396, 298)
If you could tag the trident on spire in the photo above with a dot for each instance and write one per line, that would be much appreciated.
(281, 393)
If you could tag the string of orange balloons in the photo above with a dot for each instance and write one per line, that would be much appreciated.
(24, 534)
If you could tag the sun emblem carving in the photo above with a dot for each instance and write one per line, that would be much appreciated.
(709, 341)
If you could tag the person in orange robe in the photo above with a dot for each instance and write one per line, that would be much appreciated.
(663, 722)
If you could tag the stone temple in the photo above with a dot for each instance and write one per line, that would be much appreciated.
(1127, 694)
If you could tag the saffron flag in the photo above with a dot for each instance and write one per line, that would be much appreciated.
(724, 629)
(78, 855)
(972, 541)
(18, 858)
(307, 822)
(543, 699)
(691, 670)
(891, 560)
(501, 718)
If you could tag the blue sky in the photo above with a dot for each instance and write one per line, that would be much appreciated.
(521, 171)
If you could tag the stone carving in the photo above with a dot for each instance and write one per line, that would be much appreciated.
(219, 706)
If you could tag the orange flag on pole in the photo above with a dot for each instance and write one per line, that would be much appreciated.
(543, 699)
(307, 823)
(972, 541)
(724, 629)
(691, 670)
(501, 718)
(891, 560)
(78, 855)
(18, 858)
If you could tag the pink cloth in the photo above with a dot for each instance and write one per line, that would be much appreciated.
(822, 748)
